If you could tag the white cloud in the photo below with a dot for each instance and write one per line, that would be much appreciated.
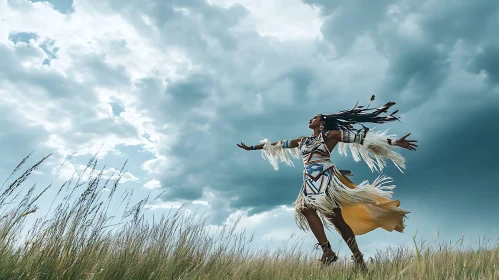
(163, 205)
(37, 172)
(66, 171)
(283, 19)
(156, 165)
(254, 221)
(127, 177)
(111, 173)
(153, 184)
(109, 42)
(201, 202)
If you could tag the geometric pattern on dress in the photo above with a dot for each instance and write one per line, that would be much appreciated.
(318, 167)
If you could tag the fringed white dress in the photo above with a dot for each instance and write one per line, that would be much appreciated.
(364, 207)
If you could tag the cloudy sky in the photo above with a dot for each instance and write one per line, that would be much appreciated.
(173, 85)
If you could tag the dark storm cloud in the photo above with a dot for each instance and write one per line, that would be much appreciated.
(487, 61)
(198, 28)
(97, 71)
(455, 170)
(345, 21)
(179, 100)
(460, 150)
(419, 63)
(216, 106)
(211, 158)
(472, 21)
(301, 78)
(422, 67)
(190, 92)
(266, 186)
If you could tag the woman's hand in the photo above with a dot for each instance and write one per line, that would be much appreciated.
(243, 146)
(407, 144)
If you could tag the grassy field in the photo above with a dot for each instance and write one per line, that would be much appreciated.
(81, 240)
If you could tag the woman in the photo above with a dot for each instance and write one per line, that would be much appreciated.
(327, 194)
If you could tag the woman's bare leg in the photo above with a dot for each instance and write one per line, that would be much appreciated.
(345, 230)
(315, 224)
(349, 237)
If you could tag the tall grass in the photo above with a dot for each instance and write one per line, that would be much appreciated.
(81, 239)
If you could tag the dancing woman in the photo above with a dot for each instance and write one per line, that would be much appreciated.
(327, 194)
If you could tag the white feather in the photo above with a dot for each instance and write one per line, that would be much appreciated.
(276, 153)
(375, 151)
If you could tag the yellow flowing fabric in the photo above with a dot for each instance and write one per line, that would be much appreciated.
(363, 218)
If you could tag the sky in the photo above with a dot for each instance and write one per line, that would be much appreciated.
(173, 85)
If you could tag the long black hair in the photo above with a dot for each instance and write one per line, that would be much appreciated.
(345, 120)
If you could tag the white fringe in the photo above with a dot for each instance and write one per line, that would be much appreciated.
(338, 194)
(277, 152)
(374, 151)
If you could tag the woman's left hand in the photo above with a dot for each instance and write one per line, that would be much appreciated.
(407, 144)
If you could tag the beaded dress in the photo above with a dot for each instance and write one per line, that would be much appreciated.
(365, 206)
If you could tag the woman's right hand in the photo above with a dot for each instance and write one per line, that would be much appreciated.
(243, 146)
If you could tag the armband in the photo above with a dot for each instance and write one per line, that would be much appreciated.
(391, 142)
(286, 144)
(348, 137)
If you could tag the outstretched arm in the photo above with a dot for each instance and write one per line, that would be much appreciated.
(348, 137)
(372, 147)
(282, 151)
(286, 144)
